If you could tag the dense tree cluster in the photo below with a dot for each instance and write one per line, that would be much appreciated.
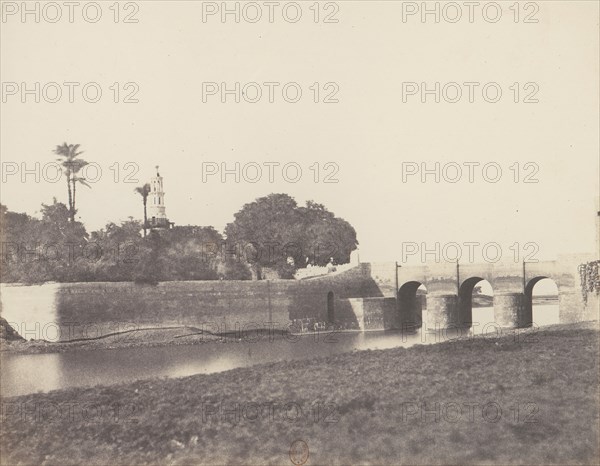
(275, 232)
(271, 232)
(54, 248)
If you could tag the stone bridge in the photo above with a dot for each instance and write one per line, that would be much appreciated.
(368, 296)
(450, 287)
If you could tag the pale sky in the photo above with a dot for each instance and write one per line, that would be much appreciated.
(368, 134)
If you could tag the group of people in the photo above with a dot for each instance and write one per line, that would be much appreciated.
(306, 325)
(310, 324)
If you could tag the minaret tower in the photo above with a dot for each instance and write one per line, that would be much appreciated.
(157, 217)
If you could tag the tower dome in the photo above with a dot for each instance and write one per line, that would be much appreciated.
(157, 216)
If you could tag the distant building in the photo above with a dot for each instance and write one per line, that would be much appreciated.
(157, 216)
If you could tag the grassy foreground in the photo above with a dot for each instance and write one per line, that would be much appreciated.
(483, 400)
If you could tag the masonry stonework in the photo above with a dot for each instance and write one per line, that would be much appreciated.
(363, 297)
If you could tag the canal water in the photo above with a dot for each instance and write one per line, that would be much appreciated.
(29, 306)
(29, 373)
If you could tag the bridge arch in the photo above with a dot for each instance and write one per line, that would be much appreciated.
(465, 300)
(410, 305)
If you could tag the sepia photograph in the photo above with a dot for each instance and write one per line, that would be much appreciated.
(312, 232)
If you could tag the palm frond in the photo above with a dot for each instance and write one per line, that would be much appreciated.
(80, 180)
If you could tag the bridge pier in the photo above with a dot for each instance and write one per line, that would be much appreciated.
(511, 310)
(571, 306)
(442, 311)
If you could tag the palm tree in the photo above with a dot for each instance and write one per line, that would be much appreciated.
(77, 179)
(69, 159)
(144, 191)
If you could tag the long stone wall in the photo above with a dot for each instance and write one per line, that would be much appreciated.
(363, 297)
(81, 310)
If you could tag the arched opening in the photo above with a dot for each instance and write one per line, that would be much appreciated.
(475, 293)
(330, 308)
(412, 300)
(541, 301)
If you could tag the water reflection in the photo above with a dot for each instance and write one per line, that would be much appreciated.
(22, 374)
(25, 374)
(31, 310)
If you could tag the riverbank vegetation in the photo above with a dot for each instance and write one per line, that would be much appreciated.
(526, 399)
(134, 338)
(272, 232)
